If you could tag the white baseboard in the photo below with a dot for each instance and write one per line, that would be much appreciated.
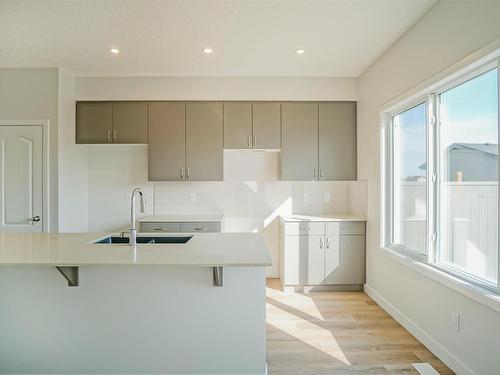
(448, 358)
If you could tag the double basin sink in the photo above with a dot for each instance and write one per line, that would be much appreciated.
(152, 240)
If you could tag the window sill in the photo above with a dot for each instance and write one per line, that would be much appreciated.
(468, 289)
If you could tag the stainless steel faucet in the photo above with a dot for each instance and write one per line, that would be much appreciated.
(133, 231)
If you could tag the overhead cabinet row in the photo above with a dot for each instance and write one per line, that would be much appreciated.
(186, 139)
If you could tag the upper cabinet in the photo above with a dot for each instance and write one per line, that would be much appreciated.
(167, 141)
(299, 145)
(130, 122)
(337, 141)
(319, 141)
(266, 122)
(237, 125)
(186, 139)
(94, 122)
(111, 122)
(252, 125)
(204, 141)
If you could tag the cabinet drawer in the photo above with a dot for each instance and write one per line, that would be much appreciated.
(160, 227)
(352, 227)
(304, 228)
(201, 227)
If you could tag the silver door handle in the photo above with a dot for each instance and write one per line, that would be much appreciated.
(204, 228)
(314, 174)
(182, 173)
(108, 135)
(187, 173)
(114, 136)
(160, 229)
(320, 173)
(248, 141)
(36, 218)
(321, 243)
(254, 141)
(328, 242)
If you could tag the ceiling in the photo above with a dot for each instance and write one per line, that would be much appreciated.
(249, 38)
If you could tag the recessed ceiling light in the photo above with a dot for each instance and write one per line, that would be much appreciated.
(300, 51)
(114, 51)
(208, 51)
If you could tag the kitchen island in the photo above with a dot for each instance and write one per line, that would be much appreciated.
(197, 307)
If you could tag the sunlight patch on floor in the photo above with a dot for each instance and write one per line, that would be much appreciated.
(299, 302)
(305, 331)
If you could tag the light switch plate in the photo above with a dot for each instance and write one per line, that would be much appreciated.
(192, 197)
(455, 321)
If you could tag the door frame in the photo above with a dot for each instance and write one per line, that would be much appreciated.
(45, 164)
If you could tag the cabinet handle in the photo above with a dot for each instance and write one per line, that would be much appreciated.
(114, 136)
(321, 243)
(182, 173)
(187, 173)
(254, 141)
(248, 141)
(201, 229)
(328, 242)
(314, 174)
(160, 229)
(320, 173)
(108, 135)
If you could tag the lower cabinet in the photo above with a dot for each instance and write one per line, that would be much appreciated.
(181, 227)
(336, 256)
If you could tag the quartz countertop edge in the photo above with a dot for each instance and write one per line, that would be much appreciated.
(76, 249)
(331, 217)
(181, 218)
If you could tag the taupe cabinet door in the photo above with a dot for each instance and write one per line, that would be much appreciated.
(351, 261)
(299, 141)
(130, 122)
(94, 122)
(111, 122)
(337, 141)
(167, 142)
(204, 141)
(266, 125)
(237, 125)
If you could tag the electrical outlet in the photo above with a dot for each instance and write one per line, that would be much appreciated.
(192, 197)
(306, 197)
(327, 197)
(455, 321)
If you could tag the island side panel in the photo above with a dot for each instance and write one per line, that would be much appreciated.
(132, 319)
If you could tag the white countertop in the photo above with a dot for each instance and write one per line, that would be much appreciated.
(178, 218)
(331, 217)
(74, 249)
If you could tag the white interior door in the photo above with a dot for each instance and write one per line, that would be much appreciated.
(21, 178)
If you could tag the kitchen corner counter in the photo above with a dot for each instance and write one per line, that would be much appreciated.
(322, 218)
(76, 249)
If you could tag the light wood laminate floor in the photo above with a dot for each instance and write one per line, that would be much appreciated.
(338, 333)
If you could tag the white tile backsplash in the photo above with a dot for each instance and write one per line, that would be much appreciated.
(251, 197)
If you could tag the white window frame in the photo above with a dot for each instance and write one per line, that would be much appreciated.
(430, 95)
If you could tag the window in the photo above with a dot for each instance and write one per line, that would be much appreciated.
(410, 180)
(468, 177)
(441, 175)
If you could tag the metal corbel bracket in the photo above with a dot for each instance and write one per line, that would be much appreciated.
(218, 274)
(70, 273)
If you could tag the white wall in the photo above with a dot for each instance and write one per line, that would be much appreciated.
(32, 94)
(448, 33)
(251, 195)
(72, 171)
